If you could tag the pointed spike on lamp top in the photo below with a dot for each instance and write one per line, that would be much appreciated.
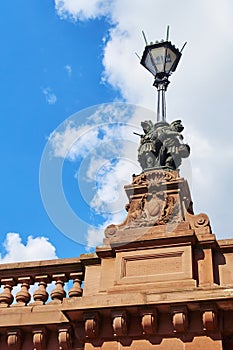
(183, 46)
(144, 36)
(167, 37)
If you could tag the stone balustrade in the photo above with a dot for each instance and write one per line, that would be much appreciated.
(40, 282)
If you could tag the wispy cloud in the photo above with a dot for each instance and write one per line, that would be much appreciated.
(50, 96)
(95, 235)
(68, 69)
(105, 154)
(203, 109)
(101, 144)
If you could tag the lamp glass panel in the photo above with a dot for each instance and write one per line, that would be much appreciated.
(170, 60)
(149, 64)
(158, 55)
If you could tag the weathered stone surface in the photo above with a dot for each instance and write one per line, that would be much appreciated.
(151, 285)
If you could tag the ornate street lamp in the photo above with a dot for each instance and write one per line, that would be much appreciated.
(161, 59)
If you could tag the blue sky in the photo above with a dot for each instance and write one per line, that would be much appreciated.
(36, 49)
(60, 57)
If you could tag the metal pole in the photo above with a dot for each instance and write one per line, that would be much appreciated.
(161, 105)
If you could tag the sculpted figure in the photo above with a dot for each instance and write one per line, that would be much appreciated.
(148, 149)
(161, 145)
(172, 149)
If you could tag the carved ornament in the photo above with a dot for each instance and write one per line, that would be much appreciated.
(209, 319)
(92, 324)
(180, 319)
(200, 223)
(65, 338)
(149, 321)
(155, 177)
(149, 210)
(39, 339)
(119, 323)
(14, 340)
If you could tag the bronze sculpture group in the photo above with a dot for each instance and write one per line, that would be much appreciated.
(161, 145)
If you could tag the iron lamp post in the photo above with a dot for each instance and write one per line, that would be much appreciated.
(161, 59)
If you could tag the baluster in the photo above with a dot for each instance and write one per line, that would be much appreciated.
(58, 292)
(76, 290)
(23, 296)
(40, 296)
(6, 297)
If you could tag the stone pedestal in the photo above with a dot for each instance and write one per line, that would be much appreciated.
(154, 268)
(158, 202)
(160, 280)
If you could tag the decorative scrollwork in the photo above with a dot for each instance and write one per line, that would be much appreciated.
(149, 210)
(156, 177)
(201, 220)
(200, 223)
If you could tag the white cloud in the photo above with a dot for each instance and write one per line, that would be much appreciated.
(38, 248)
(201, 90)
(77, 139)
(50, 96)
(64, 143)
(101, 157)
(68, 69)
(110, 197)
(95, 235)
(82, 9)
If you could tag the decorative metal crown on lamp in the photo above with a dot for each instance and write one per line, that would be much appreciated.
(161, 59)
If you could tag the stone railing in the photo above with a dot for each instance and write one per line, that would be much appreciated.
(49, 278)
